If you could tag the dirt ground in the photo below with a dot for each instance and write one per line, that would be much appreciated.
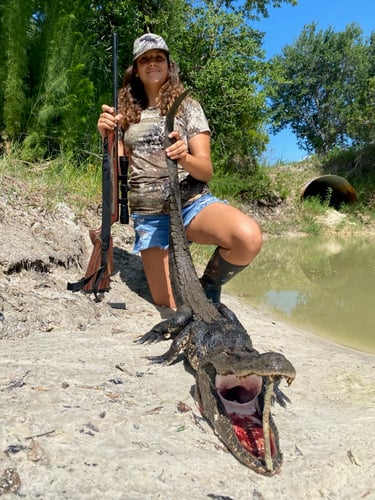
(84, 415)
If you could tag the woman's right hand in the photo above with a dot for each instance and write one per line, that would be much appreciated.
(108, 120)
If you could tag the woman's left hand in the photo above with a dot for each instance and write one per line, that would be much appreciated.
(178, 151)
(194, 158)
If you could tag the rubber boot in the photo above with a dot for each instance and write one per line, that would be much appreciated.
(218, 272)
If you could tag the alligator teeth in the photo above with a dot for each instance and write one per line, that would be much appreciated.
(266, 424)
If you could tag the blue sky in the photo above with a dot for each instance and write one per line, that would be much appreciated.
(285, 24)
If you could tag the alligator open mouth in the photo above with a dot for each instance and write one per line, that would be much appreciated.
(250, 422)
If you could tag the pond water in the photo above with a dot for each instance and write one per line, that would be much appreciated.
(324, 285)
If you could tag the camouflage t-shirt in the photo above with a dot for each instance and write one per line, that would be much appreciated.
(148, 174)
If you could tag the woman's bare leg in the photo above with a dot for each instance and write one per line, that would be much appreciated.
(237, 235)
(238, 241)
(155, 264)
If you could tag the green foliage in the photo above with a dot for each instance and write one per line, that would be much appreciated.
(258, 8)
(224, 70)
(316, 205)
(361, 122)
(318, 88)
(310, 211)
(14, 45)
(249, 188)
(65, 93)
(58, 71)
(355, 164)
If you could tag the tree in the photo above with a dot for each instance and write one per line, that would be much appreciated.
(260, 7)
(14, 45)
(220, 59)
(57, 60)
(316, 84)
(62, 92)
(361, 123)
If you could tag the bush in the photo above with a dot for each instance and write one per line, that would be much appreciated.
(246, 188)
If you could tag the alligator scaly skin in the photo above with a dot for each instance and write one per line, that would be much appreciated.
(234, 384)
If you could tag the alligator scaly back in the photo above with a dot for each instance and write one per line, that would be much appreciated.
(185, 282)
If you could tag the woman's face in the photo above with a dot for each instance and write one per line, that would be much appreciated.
(152, 68)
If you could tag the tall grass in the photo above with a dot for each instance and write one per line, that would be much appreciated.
(62, 179)
(52, 181)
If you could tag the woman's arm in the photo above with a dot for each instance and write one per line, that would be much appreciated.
(196, 161)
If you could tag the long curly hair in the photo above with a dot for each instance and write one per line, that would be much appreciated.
(133, 99)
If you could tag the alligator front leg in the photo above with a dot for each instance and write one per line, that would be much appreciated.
(168, 328)
(178, 345)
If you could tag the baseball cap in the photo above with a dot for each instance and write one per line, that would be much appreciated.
(148, 41)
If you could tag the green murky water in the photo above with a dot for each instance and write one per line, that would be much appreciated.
(325, 285)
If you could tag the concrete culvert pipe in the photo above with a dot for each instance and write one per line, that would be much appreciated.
(331, 189)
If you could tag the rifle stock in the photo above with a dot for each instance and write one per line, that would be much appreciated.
(97, 284)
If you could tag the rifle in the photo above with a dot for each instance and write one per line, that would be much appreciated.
(114, 171)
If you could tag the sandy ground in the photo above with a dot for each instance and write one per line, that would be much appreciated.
(83, 414)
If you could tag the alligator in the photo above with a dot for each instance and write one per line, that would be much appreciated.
(234, 384)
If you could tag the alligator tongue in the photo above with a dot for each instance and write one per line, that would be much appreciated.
(250, 434)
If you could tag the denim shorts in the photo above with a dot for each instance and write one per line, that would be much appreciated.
(153, 230)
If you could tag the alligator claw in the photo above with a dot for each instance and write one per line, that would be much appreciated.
(149, 338)
(161, 331)
(167, 328)
(157, 359)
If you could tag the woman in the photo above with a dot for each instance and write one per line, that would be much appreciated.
(150, 86)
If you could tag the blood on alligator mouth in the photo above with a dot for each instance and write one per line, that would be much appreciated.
(239, 396)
